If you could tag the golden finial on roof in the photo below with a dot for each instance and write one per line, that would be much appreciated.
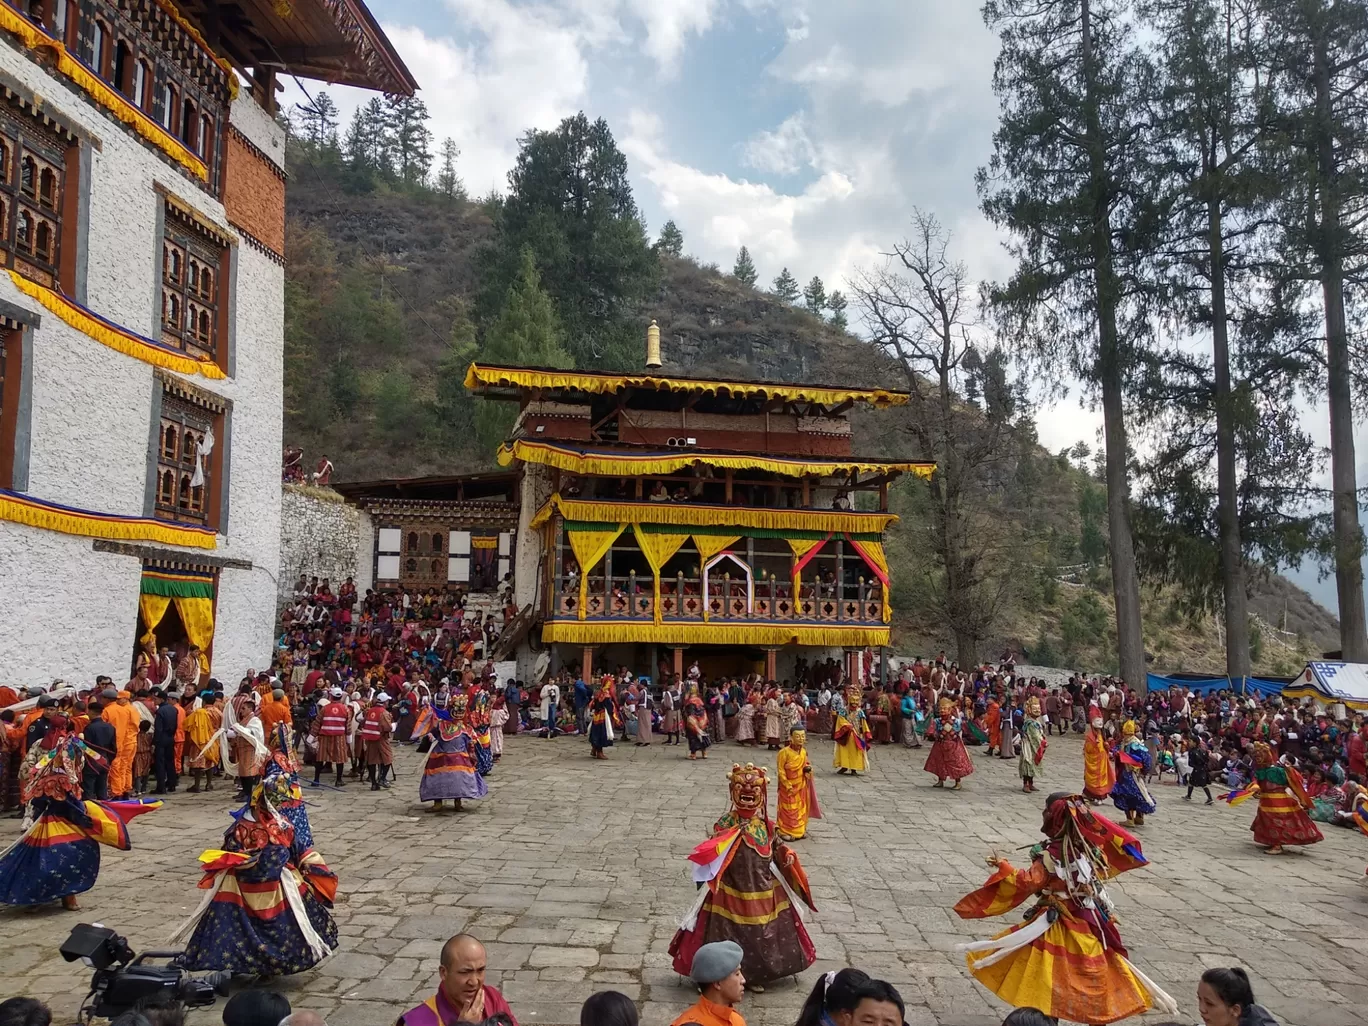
(653, 346)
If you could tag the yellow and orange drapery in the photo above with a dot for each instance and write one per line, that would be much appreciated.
(872, 552)
(717, 632)
(804, 549)
(191, 592)
(481, 376)
(657, 548)
(628, 463)
(107, 333)
(689, 514)
(53, 516)
(118, 106)
(589, 547)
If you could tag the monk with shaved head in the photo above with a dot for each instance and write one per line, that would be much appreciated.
(461, 992)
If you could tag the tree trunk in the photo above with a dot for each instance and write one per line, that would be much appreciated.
(1125, 580)
(1227, 497)
(1344, 478)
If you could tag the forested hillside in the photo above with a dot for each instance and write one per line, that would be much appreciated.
(396, 280)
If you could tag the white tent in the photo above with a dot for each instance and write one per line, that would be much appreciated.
(1332, 683)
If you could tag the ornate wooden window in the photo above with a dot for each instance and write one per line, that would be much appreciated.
(193, 308)
(185, 430)
(32, 182)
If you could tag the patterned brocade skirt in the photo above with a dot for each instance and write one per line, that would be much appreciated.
(1280, 820)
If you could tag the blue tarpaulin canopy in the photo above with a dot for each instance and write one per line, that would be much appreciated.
(1203, 685)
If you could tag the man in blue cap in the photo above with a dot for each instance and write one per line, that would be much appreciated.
(716, 970)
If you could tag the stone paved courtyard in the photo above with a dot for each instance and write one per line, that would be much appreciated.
(573, 873)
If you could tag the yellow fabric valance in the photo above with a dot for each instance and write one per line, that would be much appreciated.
(572, 632)
(51, 516)
(710, 545)
(589, 547)
(107, 333)
(599, 384)
(688, 514)
(657, 548)
(632, 464)
(107, 97)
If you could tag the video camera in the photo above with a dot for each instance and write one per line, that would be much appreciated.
(122, 978)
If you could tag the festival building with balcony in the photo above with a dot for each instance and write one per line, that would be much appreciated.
(142, 244)
(670, 519)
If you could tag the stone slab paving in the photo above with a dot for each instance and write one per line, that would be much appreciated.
(573, 873)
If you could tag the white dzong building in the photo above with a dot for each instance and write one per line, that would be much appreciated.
(142, 238)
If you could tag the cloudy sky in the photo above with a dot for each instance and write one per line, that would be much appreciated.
(806, 130)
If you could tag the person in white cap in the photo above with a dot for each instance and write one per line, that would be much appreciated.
(716, 970)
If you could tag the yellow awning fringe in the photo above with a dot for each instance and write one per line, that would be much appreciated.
(35, 513)
(108, 334)
(118, 105)
(691, 515)
(587, 381)
(715, 633)
(628, 464)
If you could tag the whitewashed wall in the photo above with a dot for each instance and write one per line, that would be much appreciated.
(65, 609)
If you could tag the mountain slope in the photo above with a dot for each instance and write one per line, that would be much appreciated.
(378, 285)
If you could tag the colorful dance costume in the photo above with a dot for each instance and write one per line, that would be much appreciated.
(266, 907)
(1133, 761)
(1067, 958)
(452, 770)
(696, 724)
(797, 793)
(1099, 774)
(1281, 818)
(602, 713)
(752, 884)
(948, 756)
(59, 856)
(1032, 745)
(851, 735)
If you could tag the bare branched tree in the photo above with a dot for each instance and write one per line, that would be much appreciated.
(920, 308)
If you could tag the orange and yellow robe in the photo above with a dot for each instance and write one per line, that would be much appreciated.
(1099, 772)
(1065, 959)
(797, 795)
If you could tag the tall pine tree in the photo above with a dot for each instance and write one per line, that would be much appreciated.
(1062, 182)
(527, 333)
(570, 201)
(814, 296)
(1319, 68)
(449, 183)
(744, 271)
(671, 241)
(836, 303)
(412, 139)
(786, 287)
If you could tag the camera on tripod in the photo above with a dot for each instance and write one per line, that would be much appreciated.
(122, 978)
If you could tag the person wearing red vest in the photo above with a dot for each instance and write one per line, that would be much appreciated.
(330, 727)
(375, 732)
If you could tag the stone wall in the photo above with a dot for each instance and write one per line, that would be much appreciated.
(318, 537)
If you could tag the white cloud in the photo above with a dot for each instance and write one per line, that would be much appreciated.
(782, 151)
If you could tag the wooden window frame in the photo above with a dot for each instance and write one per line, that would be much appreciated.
(177, 463)
(11, 383)
(100, 48)
(199, 253)
(24, 138)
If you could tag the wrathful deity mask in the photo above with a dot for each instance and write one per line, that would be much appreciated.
(748, 788)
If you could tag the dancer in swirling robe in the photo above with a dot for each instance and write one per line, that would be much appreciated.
(1067, 959)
